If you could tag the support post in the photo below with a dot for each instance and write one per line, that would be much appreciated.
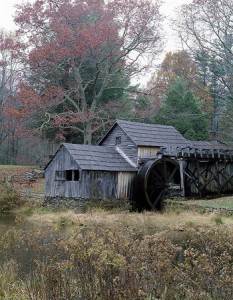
(181, 166)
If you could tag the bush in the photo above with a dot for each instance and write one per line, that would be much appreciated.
(103, 263)
(9, 198)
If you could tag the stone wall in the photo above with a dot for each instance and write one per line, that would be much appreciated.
(84, 204)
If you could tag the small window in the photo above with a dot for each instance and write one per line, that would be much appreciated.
(72, 175)
(76, 175)
(118, 140)
(69, 175)
(60, 175)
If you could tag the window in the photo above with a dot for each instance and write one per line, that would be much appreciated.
(72, 175)
(118, 140)
(68, 175)
(60, 175)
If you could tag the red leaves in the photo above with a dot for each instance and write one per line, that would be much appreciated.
(31, 101)
(81, 46)
(9, 48)
(60, 29)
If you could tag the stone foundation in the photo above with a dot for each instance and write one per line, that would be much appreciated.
(85, 204)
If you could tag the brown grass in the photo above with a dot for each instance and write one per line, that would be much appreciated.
(218, 203)
(149, 222)
(9, 170)
(6, 171)
(106, 256)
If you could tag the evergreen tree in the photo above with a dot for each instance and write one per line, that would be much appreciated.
(181, 109)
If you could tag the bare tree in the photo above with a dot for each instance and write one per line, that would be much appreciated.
(79, 51)
(206, 30)
(9, 79)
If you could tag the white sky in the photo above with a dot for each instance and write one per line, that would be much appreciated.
(7, 10)
(172, 43)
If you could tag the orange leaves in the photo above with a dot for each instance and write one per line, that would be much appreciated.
(29, 103)
(13, 112)
(179, 64)
(69, 118)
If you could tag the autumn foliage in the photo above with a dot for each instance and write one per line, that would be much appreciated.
(77, 52)
(179, 65)
(205, 28)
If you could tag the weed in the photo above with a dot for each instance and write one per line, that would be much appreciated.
(120, 260)
(218, 220)
(189, 224)
(9, 198)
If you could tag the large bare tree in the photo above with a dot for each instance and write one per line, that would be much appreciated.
(206, 30)
(79, 52)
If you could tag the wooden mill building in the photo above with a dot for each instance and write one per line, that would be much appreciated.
(140, 162)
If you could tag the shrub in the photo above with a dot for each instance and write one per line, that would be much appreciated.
(119, 262)
(10, 288)
(9, 198)
(218, 220)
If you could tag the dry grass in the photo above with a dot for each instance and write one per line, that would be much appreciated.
(115, 256)
(224, 202)
(104, 255)
(9, 170)
(149, 222)
(37, 186)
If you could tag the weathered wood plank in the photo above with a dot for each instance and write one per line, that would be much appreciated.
(126, 145)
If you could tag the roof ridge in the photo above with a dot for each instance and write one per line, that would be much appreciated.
(142, 123)
(124, 156)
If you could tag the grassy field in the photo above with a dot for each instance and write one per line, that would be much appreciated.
(9, 170)
(218, 203)
(6, 171)
(113, 255)
(180, 253)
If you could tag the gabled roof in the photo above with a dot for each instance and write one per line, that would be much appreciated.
(98, 158)
(154, 135)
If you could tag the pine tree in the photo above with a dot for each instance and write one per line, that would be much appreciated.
(181, 109)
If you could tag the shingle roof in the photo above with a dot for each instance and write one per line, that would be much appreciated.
(152, 134)
(98, 158)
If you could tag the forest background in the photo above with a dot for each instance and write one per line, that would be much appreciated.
(70, 68)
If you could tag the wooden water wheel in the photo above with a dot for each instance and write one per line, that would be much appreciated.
(156, 180)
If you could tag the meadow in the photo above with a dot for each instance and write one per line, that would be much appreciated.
(183, 252)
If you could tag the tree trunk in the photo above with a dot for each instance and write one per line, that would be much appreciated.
(87, 139)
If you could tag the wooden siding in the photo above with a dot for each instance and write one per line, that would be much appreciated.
(59, 188)
(125, 185)
(147, 152)
(126, 145)
(98, 185)
(92, 184)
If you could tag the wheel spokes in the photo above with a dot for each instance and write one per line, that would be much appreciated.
(161, 177)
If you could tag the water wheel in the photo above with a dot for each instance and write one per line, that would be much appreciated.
(156, 180)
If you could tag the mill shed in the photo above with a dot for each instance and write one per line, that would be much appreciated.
(139, 141)
(89, 172)
(140, 162)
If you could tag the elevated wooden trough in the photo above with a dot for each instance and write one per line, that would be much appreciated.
(184, 172)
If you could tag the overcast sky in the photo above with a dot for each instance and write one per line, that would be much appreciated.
(7, 10)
